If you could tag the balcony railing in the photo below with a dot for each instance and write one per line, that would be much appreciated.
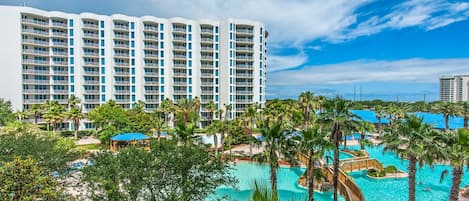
(91, 91)
(92, 54)
(92, 100)
(244, 49)
(179, 56)
(121, 45)
(151, 64)
(244, 84)
(151, 82)
(151, 72)
(91, 35)
(94, 72)
(206, 66)
(57, 53)
(59, 24)
(92, 82)
(63, 44)
(121, 55)
(244, 100)
(37, 42)
(37, 22)
(206, 31)
(179, 38)
(179, 74)
(250, 31)
(60, 62)
(151, 46)
(90, 44)
(33, 31)
(35, 101)
(244, 66)
(180, 92)
(206, 75)
(150, 37)
(60, 72)
(60, 91)
(177, 29)
(180, 83)
(31, 61)
(122, 73)
(33, 71)
(121, 36)
(150, 28)
(152, 92)
(242, 75)
(206, 57)
(206, 83)
(206, 48)
(61, 34)
(151, 55)
(36, 91)
(244, 92)
(244, 40)
(206, 39)
(121, 27)
(122, 81)
(121, 64)
(91, 63)
(89, 25)
(123, 100)
(244, 57)
(180, 65)
(122, 91)
(60, 81)
(29, 51)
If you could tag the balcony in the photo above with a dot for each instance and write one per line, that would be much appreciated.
(123, 64)
(207, 92)
(180, 92)
(151, 72)
(124, 55)
(91, 100)
(151, 64)
(210, 40)
(60, 53)
(35, 22)
(210, 75)
(122, 91)
(152, 92)
(179, 29)
(244, 49)
(59, 72)
(151, 83)
(36, 91)
(206, 84)
(206, 66)
(244, 40)
(179, 38)
(245, 31)
(127, 73)
(121, 27)
(152, 100)
(30, 51)
(121, 36)
(91, 91)
(206, 57)
(244, 75)
(91, 72)
(179, 75)
(180, 83)
(247, 84)
(36, 42)
(123, 100)
(178, 65)
(151, 55)
(179, 47)
(60, 82)
(91, 26)
(150, 28)
(33, 71)
(206, 31)
(179, 56)
(122, 82)
(60, 34)
(39, 62)
(35, 101)
(61, 44)
(121, 45)
(91, 63)
(243, 66)
(244, 101)
(150, 37)
(244, 58)
(244, 92)
(90, 45)
(92, 82)
(148, 46)
(60, 91)
(61, 63)
(36, 32)
(91, 54)
(90, 35)
(206, 49)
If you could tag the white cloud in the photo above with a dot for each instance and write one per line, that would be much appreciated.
(409, 70)
(277, 63)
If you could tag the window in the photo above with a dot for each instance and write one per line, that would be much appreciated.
(72, 88)
(132, 35)
(132, 44)
(133, 53)
(71, 41)
(103, 61)
(103, 89)
(231, 36)
(216, 72)
(102, 43)
(72, 60)
(103, 80)
(162, 45)
(162, 71)
(190, 63)
(133, 80)
(190, 28)
(190, 71)
(190, 80)
(133, 71)
(231, 54)
(190, 37)
(71, 51)
(161, 27)
(161, 36)
(103, 70)
(70, 22)
(162, 80)
(71, 32)
(216, 47)
(190, 89)
(216, 38)
(102, 23)
(161, 62)
(102, 52)
(162, 54)
(190, 55)
(162, 89)
(72, 79)
(216, 29)
(132, 62)
(133, 89)
(103, 98)
(216, 64)
(102, 33)
(216, 55)
(72, 70)
(231, 26)
(132, 25)
(190, 46)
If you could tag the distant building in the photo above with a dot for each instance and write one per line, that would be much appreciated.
(454, 88)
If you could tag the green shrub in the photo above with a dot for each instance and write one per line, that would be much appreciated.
(376, 173)
(390, 169)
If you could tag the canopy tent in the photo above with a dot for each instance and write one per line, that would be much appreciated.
(125, 139)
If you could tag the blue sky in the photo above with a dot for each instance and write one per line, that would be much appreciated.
(390, 49)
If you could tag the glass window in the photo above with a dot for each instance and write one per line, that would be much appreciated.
(190, 55)
(216, 98)
(162, 89)
(71, 41)
(133, 80)
(102, 33)
(133, 71)
(71, 51)
(133, 53)
(216, 46)
(132, 25)
(72, 70)
(132, 62)
(190, 46)
(102, 43)
(190, 37)
(162, 53)
(161, 44)
(71, 32)
(103, 98)
(103, 80)
(231, 36)
(231, 54)
(72, 60)
(216, 55)
(190, 80)
(102, 52)
(133, 89)
(190, 28)
(103, 70)
(161, 62)
(103, 61)
(132, 35)
(190, 71)
(162, 71)
(216, 38)
(161, 36)
(132, 44)
(72, 88)
(162, 80)
(102, 23)
(190, 89)
(133, 97)
(103, 89)
(161, 27)
(216, 72)
(231, 26)
(70, 22)
(216, 64)
(216, 29)
(72, 79)
(190, 63)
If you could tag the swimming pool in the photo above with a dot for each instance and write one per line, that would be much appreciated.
(373, 189)
(355, 136)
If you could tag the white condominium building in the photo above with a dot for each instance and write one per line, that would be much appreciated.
(454, 88)
(53, 55)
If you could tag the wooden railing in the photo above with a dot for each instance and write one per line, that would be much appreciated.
(347, 187)
(361, 164)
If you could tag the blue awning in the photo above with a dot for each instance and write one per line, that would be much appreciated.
(130, 137)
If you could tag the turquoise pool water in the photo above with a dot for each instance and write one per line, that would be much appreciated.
(374, 190)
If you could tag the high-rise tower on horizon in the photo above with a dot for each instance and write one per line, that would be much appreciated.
(49, 55)
(454, 88)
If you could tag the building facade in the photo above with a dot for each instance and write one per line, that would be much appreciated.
(53, 55)
(454, 88)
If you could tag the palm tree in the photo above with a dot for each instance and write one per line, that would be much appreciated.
(184, 109)
(379, 112)
(251, 114)
(21, 115)
(363, 128)
(448, 110)
(185, 133)
(337, 113)
(314, 143)
(166, 107)
(157, 123)
(275, 139)
(306, 101)
(458, 155)
(35, 111)
(211, 107)
(75, 115)
(218, 126)
(228, 109)
(465, 112)
(412, 140)
(73, 101)
(54, 114)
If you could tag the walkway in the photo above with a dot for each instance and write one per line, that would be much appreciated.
(360, 164)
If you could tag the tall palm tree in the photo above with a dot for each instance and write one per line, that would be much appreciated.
(228, 109)
(54, 114)
(448, 110)
(251, 114)
(21, 115)
(379, 112)
(157, 123)
(166, 107)
(306, 101)
(275, 139)
(35, 111)
(314, 143)
(185, 133)
(337, 113)
(73, 101)
(458, 154)
(75, 115)
(363, 128)
(211, 107)
(412, 140)
(464, 105)
(185, 109)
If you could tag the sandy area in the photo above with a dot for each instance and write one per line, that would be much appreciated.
(244, 150)
(87, 140)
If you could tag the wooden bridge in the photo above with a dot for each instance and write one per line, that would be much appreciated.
(347, 187)
(361, 164)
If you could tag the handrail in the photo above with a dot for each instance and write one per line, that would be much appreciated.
(346, 187)
(369, 163)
